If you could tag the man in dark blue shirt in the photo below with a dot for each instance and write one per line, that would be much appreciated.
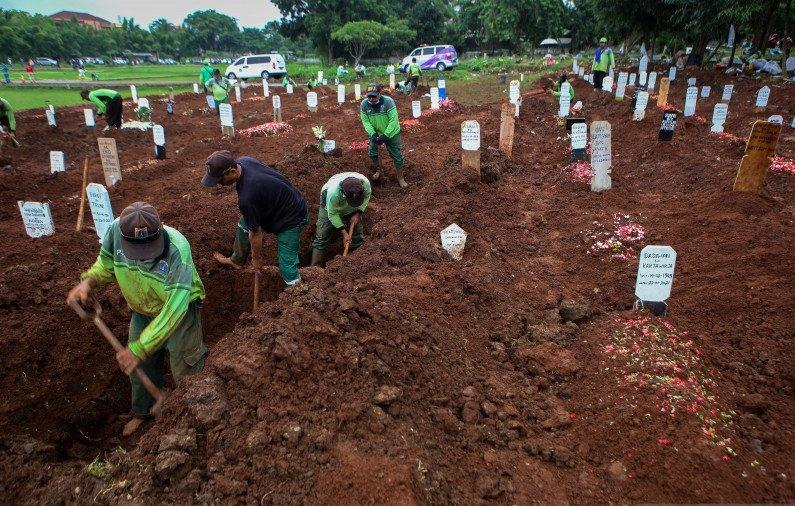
(269, 203)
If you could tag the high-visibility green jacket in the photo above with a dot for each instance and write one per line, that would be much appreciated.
(219, 89)
(9, 113)
(556, 91)
(206, 73)
(336, 204)
(161, 288)
(101, 98)
(606, 60)
(381, 118)
(414, 70)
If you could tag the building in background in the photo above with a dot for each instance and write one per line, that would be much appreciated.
(84, 19)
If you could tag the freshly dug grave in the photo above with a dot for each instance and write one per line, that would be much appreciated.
(399, 375)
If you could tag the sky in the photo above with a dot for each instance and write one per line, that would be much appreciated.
(253, 13)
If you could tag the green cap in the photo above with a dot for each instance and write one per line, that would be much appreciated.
(206, 61)
(603, 39)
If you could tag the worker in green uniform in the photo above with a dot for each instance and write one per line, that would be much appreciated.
(153, 266)
(109, 104)
(205, 74)
(380, 120)
(603, 61)
(343, 199)
(413, 73)
(311, 84)
(219, 87)
(7, 117)
(559, 84)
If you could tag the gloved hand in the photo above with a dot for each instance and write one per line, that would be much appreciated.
(382, 139)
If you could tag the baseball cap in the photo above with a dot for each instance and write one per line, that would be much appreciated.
(603, 39)
(217, 165)
(353, 189)
(141, 232)
(373, 89)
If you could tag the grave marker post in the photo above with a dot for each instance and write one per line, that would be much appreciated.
(266, 89)
(662, 96)
(470, 145)
(727, 93)
(453, 241)
(434, 98)
(37, 218)
(691, 97)
(652, 81)
(238, 95)
(668, 125)
(719, 113)
(159, 136)
(340, 94)
(640, 106)
(109, 156)
(277, 108)
(227, 120)
(88, 114)
(758, 150)
(601, 156)
(101, 209)
(416, 108)
(655, 277)
(579, 139)
(57, 163)
(134, 93)
(357, 91)
(507, 124)
(311, 101)
(762, 96)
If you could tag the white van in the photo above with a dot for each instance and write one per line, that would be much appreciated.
(440, 58)
(257, 66)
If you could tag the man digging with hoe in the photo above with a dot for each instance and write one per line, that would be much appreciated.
(153, 265)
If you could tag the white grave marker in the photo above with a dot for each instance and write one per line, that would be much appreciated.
(453, 241)
(89, 116)
(643, 66)
(434, 98)
(37, 218)
(621, 86)
(143, 102)
(601, 155)
(101, 210)
(640, 106)
(110, 160)
(311, 100)
(727, 92)
(705, 91)
(277, 102)
(238, 95)
(513, 91)
(159, 135)
(607, 84)
(319, 75)
(691, 81)
(632, 78)
(416, 108)
(134, 93)
(195, 88)
(762, 96)
(672, 74)
(57, 163)
(652, 81)
(642, 78)
(777, 119)
(50, 117)
(225, 112)
(655, 273)
(581, 73)
(210, 101)
(290, 89)
(579, 135)
(690, 101)
(719, 114)
(340, 93)
(564, 101)
(357, 91)
(329, 145)
(266, 88)
(470, 135)
(391, 81)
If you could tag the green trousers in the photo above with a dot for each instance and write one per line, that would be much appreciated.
(186, 352)
(288, 245)
(395, 148)
(325, 229)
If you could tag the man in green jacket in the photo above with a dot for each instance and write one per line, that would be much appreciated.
(153, 266)
(557, 86)
(603, 61)
(109, 104)
(219, 87)
(7, 116)
(343, 199)
(413, 73)
(205, 74)
(380, 120)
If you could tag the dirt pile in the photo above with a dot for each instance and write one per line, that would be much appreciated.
(400, 375)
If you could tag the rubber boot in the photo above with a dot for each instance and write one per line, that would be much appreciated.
(402, 182)
(317, 257)
(376, 166)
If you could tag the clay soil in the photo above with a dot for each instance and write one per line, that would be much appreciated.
(398, 375)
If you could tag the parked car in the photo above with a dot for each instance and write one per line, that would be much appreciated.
(439, 57)
(48, 62)
(120, 61)
(257, 65)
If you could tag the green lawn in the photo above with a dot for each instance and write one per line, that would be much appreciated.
(118, 72)
(34, 98)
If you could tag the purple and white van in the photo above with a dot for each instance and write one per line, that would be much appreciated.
(440, 58)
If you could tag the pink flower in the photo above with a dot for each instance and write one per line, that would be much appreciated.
(664, 441)
(782, 165)
(273, 128)
(358, 145)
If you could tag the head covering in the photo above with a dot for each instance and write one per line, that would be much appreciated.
(603, 40)
(217, 165)
(353, 189)
(141, 232)
(373, 89)
(206, 61)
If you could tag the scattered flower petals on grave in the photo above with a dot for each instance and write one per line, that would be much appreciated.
(447, 104)
(272, 128)
(782, 165)
(579, 172)
(410, 124)
(659, 370)
(669, 107)
(300, 116)
(358, 145)
(729, 137)
(620, 240)
(700, 119)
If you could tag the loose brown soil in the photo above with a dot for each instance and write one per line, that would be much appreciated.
(398, 375)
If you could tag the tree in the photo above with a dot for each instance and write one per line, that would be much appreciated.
(211, 30)
(360, 36)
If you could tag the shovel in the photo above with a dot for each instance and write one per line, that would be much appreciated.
(96, 318)
(348, 245)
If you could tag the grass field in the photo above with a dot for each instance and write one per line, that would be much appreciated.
(22, 98)
(33, 98)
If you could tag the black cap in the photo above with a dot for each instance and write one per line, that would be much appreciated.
(353, 189)
(373, 89)
(141, 232)
(217, 165)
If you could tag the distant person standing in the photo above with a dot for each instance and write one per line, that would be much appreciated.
(205, 74)
(219, 87)
(6, 74)
(603, 61)
(81, 72)
(7, 120)
(109, 104)
(413, 73)
(30, 71)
